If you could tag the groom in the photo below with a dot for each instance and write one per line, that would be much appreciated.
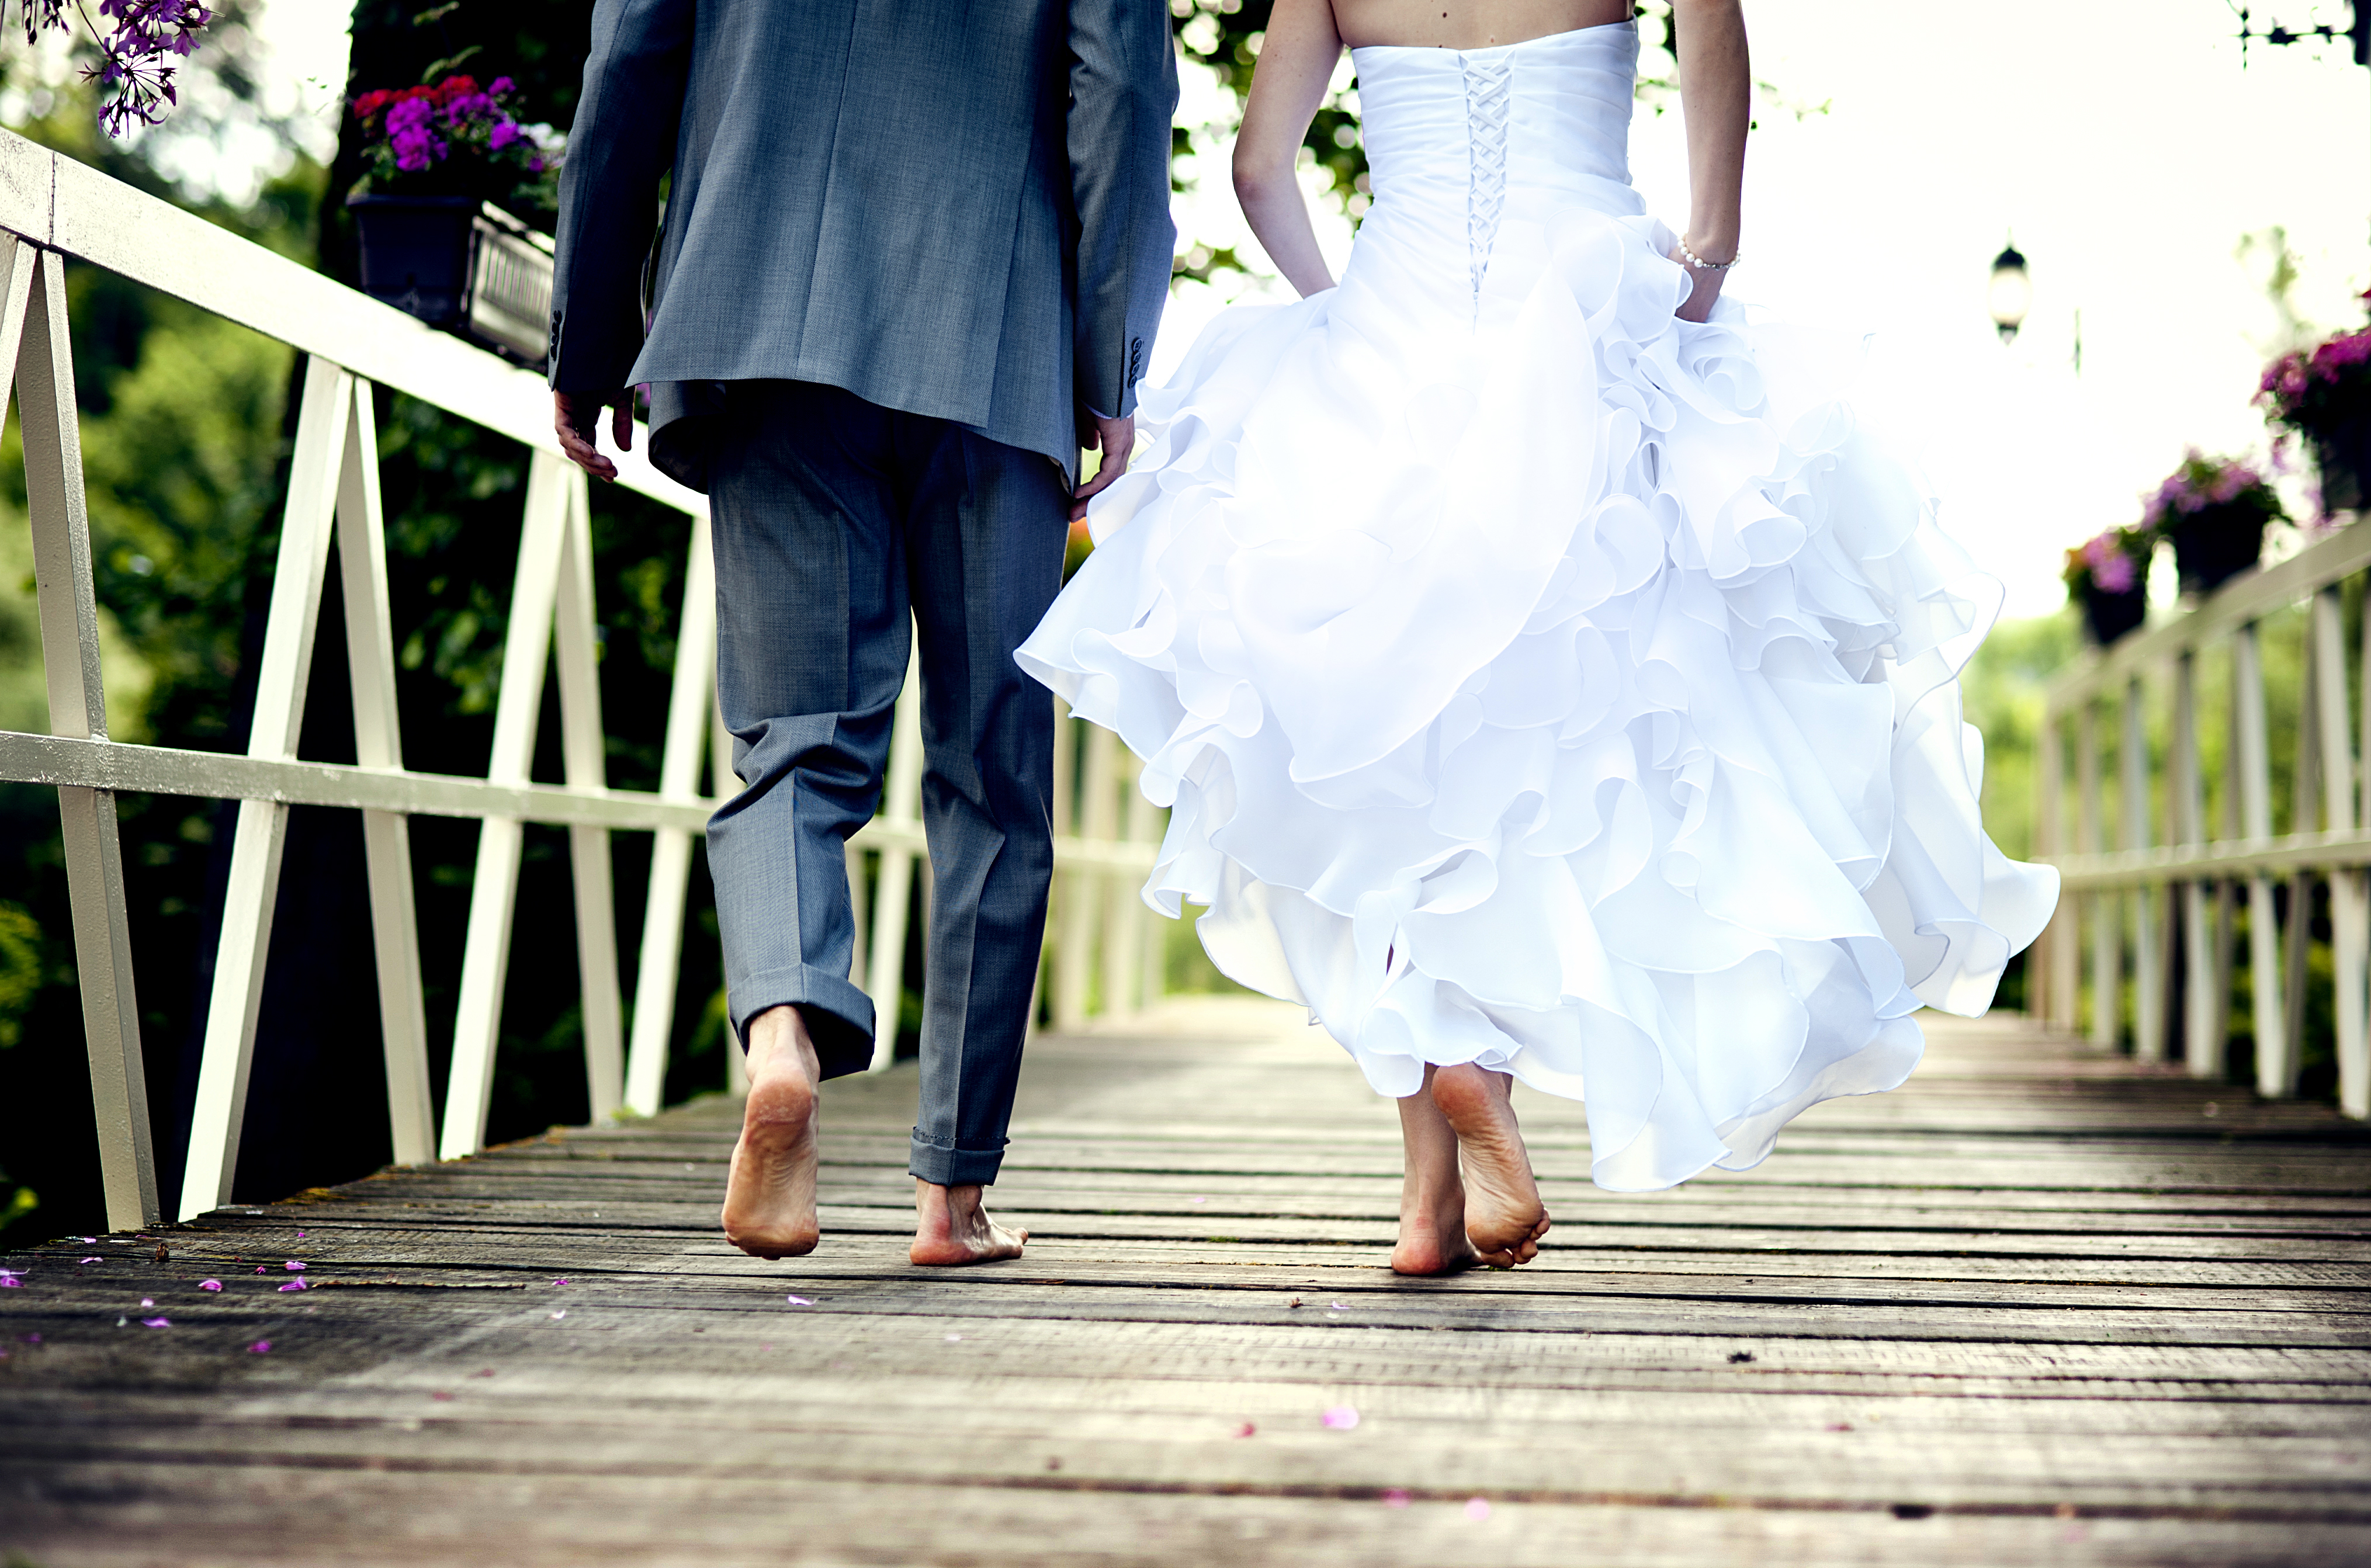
(912, 256)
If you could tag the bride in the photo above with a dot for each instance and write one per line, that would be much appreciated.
(1549, 677)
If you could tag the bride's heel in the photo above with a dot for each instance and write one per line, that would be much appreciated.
(1504, 1216)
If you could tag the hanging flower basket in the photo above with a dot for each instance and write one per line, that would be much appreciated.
(2107, 616)
(463, 265)
(2107, 579)
(2324, 395)
(2213, 511)
(448, 165)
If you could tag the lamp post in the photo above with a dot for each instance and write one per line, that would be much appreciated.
(2011, 295)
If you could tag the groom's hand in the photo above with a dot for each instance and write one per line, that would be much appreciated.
(1115, 439)
(577, 417)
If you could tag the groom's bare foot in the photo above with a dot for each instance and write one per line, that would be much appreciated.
(952, 1228)
(1504, 1216)
(1432, 1195)
(769, 1199)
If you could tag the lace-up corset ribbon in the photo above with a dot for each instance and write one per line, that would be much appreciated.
(1468, 147)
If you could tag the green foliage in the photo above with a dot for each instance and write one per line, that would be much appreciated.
(2001, 696)
(20, 969)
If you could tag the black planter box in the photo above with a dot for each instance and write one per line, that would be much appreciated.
(462, 265)
(2214, 544)
(2110, 616)
(2341, 454)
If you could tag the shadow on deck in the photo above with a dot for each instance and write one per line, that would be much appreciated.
(2040, 1306)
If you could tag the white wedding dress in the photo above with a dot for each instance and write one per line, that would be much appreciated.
(1539, 680)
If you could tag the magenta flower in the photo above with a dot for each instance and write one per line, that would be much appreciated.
(2115, 575)
(260, 1347)
(1339, 1418)
(295, 1266)
(209, 1285)
(504, 133)
(292, 1285)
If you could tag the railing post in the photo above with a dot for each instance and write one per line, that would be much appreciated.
(33, 335)
(2202, 1010)
(690, 704)
(2107, 978)
(2040, 966)
(2273, 1075)
(1144, 932)
(901, 808)
(585, 764)
(2133, 816)
(1082, 891)
(1123, 915)
(494, 893)
(2349, 898)
(2297, 936)
(305, 533)
(387, 836)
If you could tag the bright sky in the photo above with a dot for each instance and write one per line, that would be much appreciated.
(2128, 152)
(301, 69)
(2119, 140)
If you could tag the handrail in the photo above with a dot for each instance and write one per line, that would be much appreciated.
(52, 207)
(2247, 598)
(2166, 902)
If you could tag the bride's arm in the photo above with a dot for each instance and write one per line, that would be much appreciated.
(1716, 95)
(1296, 62)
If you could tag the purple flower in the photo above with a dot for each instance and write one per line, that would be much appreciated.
(2115, 575)
(408, 131)
(500, 86)
(504, 133)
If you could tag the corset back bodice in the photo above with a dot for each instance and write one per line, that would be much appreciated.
(1462, 145)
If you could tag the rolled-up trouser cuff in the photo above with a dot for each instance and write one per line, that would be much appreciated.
(839, 1016)
(951, 1166)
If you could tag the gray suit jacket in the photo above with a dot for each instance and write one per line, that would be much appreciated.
(957, 208)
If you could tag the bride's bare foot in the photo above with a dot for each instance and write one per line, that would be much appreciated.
(770, 1199)
(1433, 1195)
(1504, 1216)
(952, 1228)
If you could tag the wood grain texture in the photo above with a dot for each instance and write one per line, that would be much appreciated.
(2039, 1305)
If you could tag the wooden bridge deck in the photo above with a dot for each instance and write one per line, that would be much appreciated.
(2041, 1306)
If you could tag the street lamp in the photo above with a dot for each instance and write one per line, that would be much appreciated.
(2011, 295)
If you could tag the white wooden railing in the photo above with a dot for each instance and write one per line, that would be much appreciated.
(2171, 884)
(52, 209)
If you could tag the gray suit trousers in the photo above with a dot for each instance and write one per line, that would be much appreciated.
(834, 518)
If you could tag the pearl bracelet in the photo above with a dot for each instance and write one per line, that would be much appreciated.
(1700, 264)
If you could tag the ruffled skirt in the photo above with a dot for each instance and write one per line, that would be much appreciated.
(1561, 687)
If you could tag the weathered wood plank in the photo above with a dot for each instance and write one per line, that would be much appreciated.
(2056, 1309)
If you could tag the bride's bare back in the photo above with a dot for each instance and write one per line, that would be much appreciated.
(1467, 24)
(1305, 40)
